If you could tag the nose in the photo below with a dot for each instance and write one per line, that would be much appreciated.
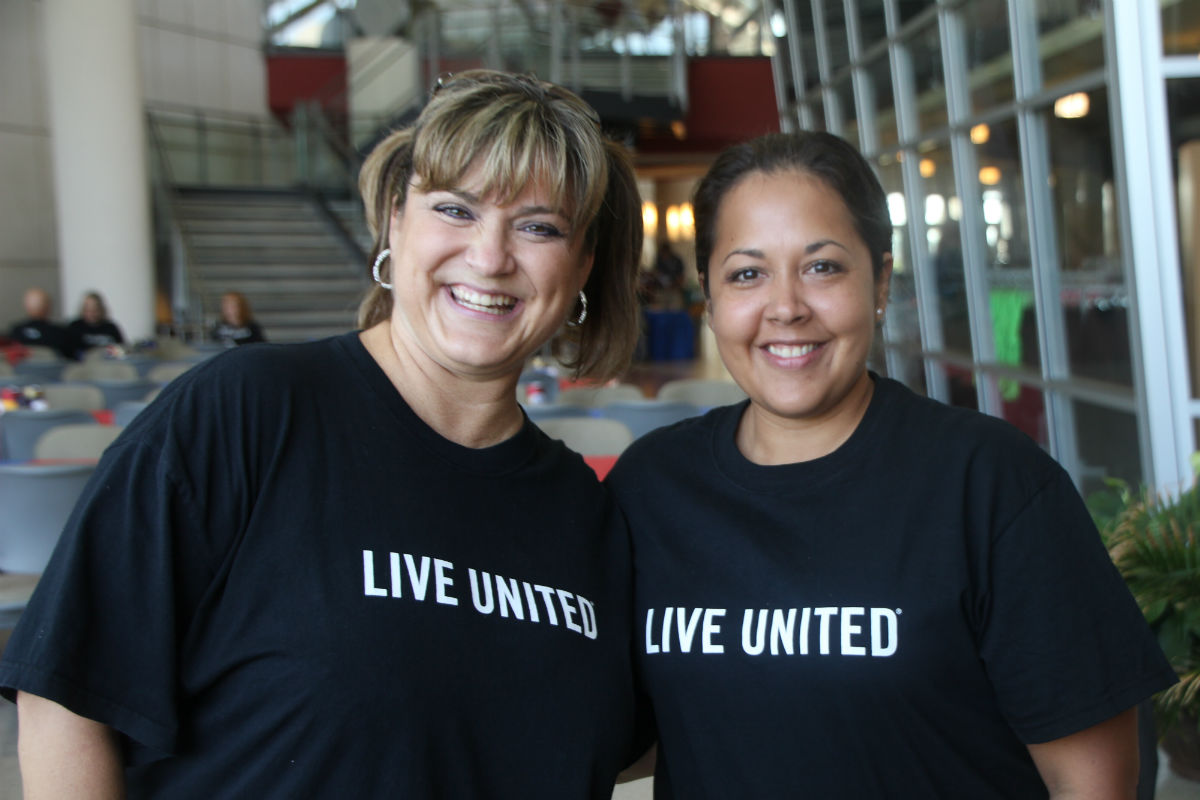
(786, 301)
(488, 252)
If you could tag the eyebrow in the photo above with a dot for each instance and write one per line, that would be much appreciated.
(813, 247)
(475, 199)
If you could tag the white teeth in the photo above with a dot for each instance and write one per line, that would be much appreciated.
(478, 301)
(790, 351)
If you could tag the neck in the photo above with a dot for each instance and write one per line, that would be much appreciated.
(472, 413)
(769, 439)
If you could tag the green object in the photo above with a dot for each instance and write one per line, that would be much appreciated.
(1008, 307)
(1155, 543)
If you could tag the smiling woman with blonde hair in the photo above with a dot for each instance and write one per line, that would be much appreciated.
(353, 567)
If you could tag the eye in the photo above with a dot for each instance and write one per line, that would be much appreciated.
(743, 275)
(545, 230)
(453, 210)
(824, 267)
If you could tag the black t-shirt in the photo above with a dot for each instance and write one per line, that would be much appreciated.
(896, 619)
(42, 333)
(84, 335)
(282, 583)
(234, 335)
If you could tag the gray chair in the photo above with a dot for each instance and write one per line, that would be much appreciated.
(80, 396)
(39, 371)
(589, 436)
(101, 370)
(167, 371)
(702, 392)
(20, 429)
(596, 396)
(38, 352)
(75, 442)
(35, 502)
(540, 412)
(641, 418)
(125, 411)
(118, 391)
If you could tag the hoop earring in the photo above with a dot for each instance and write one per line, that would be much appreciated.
(575, 323)
(384, 253)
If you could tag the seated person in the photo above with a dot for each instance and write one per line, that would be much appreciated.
(237, 325)
(93, 328)
(37, 329)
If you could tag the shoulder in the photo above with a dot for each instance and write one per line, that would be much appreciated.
(925, 439)
(663, 449)
(904, 411)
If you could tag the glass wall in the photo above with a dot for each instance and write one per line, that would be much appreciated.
(990, 126)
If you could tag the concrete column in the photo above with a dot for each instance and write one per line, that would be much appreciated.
(101, 184)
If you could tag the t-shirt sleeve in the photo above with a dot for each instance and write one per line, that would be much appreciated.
(1064, 643)
(102, 633)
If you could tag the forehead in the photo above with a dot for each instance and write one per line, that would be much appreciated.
(783, 202)
(536, 191)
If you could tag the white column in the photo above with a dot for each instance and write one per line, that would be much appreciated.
(101, 185)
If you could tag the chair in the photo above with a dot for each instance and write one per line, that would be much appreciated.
(594, 397)
(35, 502)
(702, 392)
(588, 436)
(38, 353)
(80, 396)
(548, 384)
(75, 442)
(167, 371)
(92, 371)
(118, 391)
(641, 418)
(31, 371)
(20, 429)
(126, 410)
(15, 590)
(537, 413)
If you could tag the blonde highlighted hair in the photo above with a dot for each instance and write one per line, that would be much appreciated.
(517, 130)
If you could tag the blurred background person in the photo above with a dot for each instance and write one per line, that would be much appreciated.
(237, 325)
(92, 328)
(37, 329)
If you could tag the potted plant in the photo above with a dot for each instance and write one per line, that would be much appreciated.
(1155, 543)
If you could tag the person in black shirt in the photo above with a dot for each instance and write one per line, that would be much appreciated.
(846, 590)
(354, 567)
(93, 328)
(37, 329)
(237, 325)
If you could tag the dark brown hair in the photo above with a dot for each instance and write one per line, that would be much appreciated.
(822, 155)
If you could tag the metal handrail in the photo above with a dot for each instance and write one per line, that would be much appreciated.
(184, 294)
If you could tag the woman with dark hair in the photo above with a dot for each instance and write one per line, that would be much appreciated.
(93, 328)
(845, 590)
(354, 567)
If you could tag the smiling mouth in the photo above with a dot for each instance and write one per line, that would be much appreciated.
(790, 350)
(495, 304)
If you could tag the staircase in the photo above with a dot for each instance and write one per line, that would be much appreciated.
(292, 257)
